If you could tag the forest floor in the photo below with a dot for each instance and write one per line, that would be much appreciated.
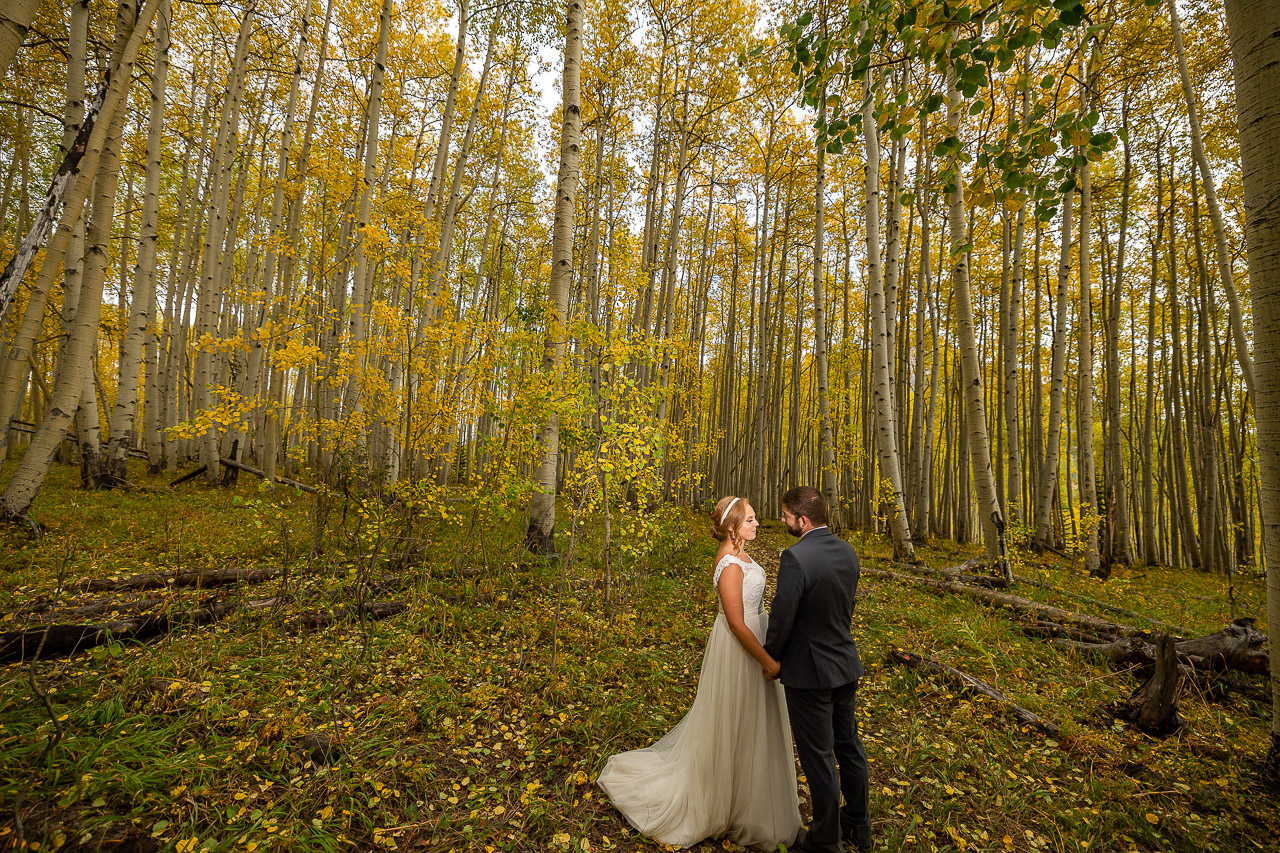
(477, 718)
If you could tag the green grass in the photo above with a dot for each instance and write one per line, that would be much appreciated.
(459, 735)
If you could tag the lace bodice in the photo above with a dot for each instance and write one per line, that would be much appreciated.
(753, 583)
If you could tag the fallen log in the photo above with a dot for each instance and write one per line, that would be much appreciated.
(58, 640)
(975, 686)
(99, 608)
(963, 573)
(1016, 603)
(1126, 655)
(1107, 606)
(373, 611)
(1236, 646)
(231, 463)
(199, 578)
(191, 475)
(1052, 630)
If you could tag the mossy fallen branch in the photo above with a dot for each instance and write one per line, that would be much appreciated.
(976, 687)
(372, 611)
(59, 640)
(1177, 630)
(1016, 603)
(160, 580)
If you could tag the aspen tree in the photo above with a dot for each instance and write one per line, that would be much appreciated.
(975, 416)
(1084, 384)
(540, 532)
(361, 284)
(93, 137)
(1012, 330)
(212, 253)
(124, 414)
(826, 433)
(1049, 474)
(1117, 490)
(1225, 275)
(885, 430)
(1255, 54)
(77, 368)
(15, 19)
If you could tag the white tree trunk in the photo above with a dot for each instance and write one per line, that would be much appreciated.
(826, 433)
(124, 414)
(211, 255)
(1084, 387)
(886, 432)
(77, 369)
(1254, 27)
(77, 191)
(1215, 210)
(540, 532)
(1057, 380)
(971, 371)
(15, 19)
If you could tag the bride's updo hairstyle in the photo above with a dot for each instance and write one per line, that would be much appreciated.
(724, 525)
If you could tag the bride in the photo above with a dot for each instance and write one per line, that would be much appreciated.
(727, 768)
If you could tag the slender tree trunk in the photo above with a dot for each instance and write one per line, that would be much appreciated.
(540, 532)
(15, 19)
(124, 415)
(1084, 385)
(1215, 209)
(1254, 28)
(77, 370)
(971, 370)
(361, 284)
(1057, 374)
(885, 430)
(92, 135)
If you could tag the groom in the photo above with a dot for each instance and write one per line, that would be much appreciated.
(809, 635)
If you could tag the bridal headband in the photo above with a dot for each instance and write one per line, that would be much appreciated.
(725, 514)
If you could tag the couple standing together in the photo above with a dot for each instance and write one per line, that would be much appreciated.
(727, 768)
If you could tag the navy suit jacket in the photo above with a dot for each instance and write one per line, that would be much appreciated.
(809, 621)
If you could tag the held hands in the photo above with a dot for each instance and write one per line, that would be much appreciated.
(772, 670)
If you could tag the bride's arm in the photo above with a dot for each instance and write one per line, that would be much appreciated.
(731, 598)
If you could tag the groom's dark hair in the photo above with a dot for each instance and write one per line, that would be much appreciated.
(806, 501)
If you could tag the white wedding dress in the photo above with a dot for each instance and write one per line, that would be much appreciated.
(727, 768)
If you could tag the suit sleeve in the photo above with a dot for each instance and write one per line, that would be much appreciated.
(786, 600)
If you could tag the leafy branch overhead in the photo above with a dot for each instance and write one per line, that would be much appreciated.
(843, 63)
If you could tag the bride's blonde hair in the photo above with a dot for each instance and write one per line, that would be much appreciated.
(727, 517)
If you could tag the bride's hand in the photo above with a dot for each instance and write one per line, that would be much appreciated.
(772, 669)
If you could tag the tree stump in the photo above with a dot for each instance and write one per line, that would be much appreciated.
(1154, 705)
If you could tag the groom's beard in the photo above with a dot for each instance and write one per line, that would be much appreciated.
(793, 529)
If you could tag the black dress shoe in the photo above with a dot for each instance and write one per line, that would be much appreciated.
(851, 840)
(801, 843)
